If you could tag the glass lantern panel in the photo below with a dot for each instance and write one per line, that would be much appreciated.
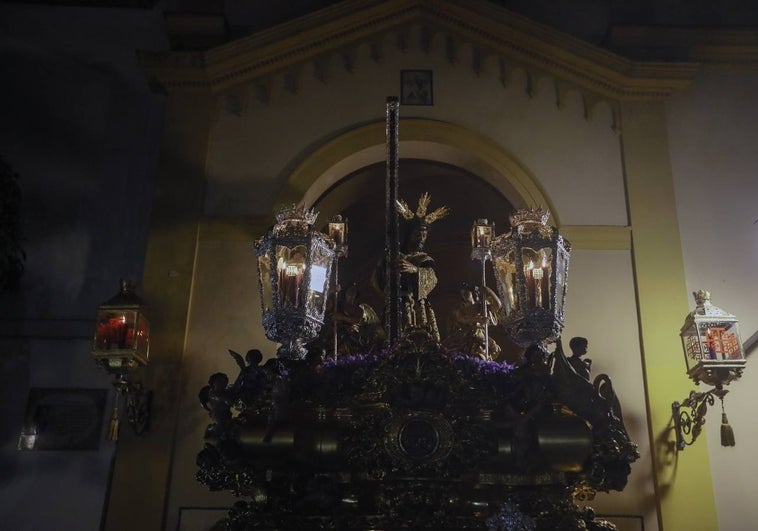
(264, 276)
(505, 268)
(318, 284)
(692, 347)
(290, 269)
(115, 329)
(481, 236)
(561, 263)
(142, 336)
(537, 270)
(720, 341)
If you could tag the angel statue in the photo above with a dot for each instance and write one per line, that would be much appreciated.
(359, 329)
(466, 329)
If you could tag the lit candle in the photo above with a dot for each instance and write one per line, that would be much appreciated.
(537, 274)
(114, 333)
(335, 232)
(293, 278)
(483, 240)
(529, 281)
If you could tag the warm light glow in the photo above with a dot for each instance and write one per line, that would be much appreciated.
(721, 344)
(483, 235)
(337, 232)
(290, 282)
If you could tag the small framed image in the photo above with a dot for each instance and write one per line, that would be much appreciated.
(416, 87)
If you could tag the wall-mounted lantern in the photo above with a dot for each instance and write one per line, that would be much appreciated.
(121, 346)
(294, 269)
(531, 266)
(714, 355)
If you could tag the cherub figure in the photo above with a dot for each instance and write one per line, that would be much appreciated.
(247, 384)
(578, 346)
(466, 330)
(359, 329)
(217, 399)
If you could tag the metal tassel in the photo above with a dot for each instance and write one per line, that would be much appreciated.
(727, 433)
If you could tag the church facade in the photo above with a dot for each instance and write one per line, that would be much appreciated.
(647, 167)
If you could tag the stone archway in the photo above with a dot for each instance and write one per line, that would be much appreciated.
(422, 139)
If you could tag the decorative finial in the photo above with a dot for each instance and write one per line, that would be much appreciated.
(702, 297)
(296, 212)
(530, 216)
(127, 286)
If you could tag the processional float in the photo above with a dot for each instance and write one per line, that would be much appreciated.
(404, 431)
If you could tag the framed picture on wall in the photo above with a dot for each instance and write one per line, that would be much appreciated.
(416, 87)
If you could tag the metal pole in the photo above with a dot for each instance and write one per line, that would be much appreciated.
(336, 301)
(484, 307)
(392, 239)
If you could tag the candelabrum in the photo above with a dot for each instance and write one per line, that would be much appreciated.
(338, 234)
(482, 235)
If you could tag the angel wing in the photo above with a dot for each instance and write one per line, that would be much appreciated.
(369, 315)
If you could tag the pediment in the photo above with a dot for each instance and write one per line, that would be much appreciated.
(515, 42)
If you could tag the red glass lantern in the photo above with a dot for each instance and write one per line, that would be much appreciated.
(122, 337)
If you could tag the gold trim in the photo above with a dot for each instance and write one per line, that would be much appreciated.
(586, 237)
(490, 28)
(731, 49)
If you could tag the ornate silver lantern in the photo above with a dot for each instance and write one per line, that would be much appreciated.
(711, 341)
(294, 268)
(482, 235)
(531, 266)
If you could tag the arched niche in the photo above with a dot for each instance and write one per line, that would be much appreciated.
(460, 168)
(420, 139)
(360, 197)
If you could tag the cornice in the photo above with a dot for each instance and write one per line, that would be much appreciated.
(494, 30)
(584, 237)
(712, 48)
